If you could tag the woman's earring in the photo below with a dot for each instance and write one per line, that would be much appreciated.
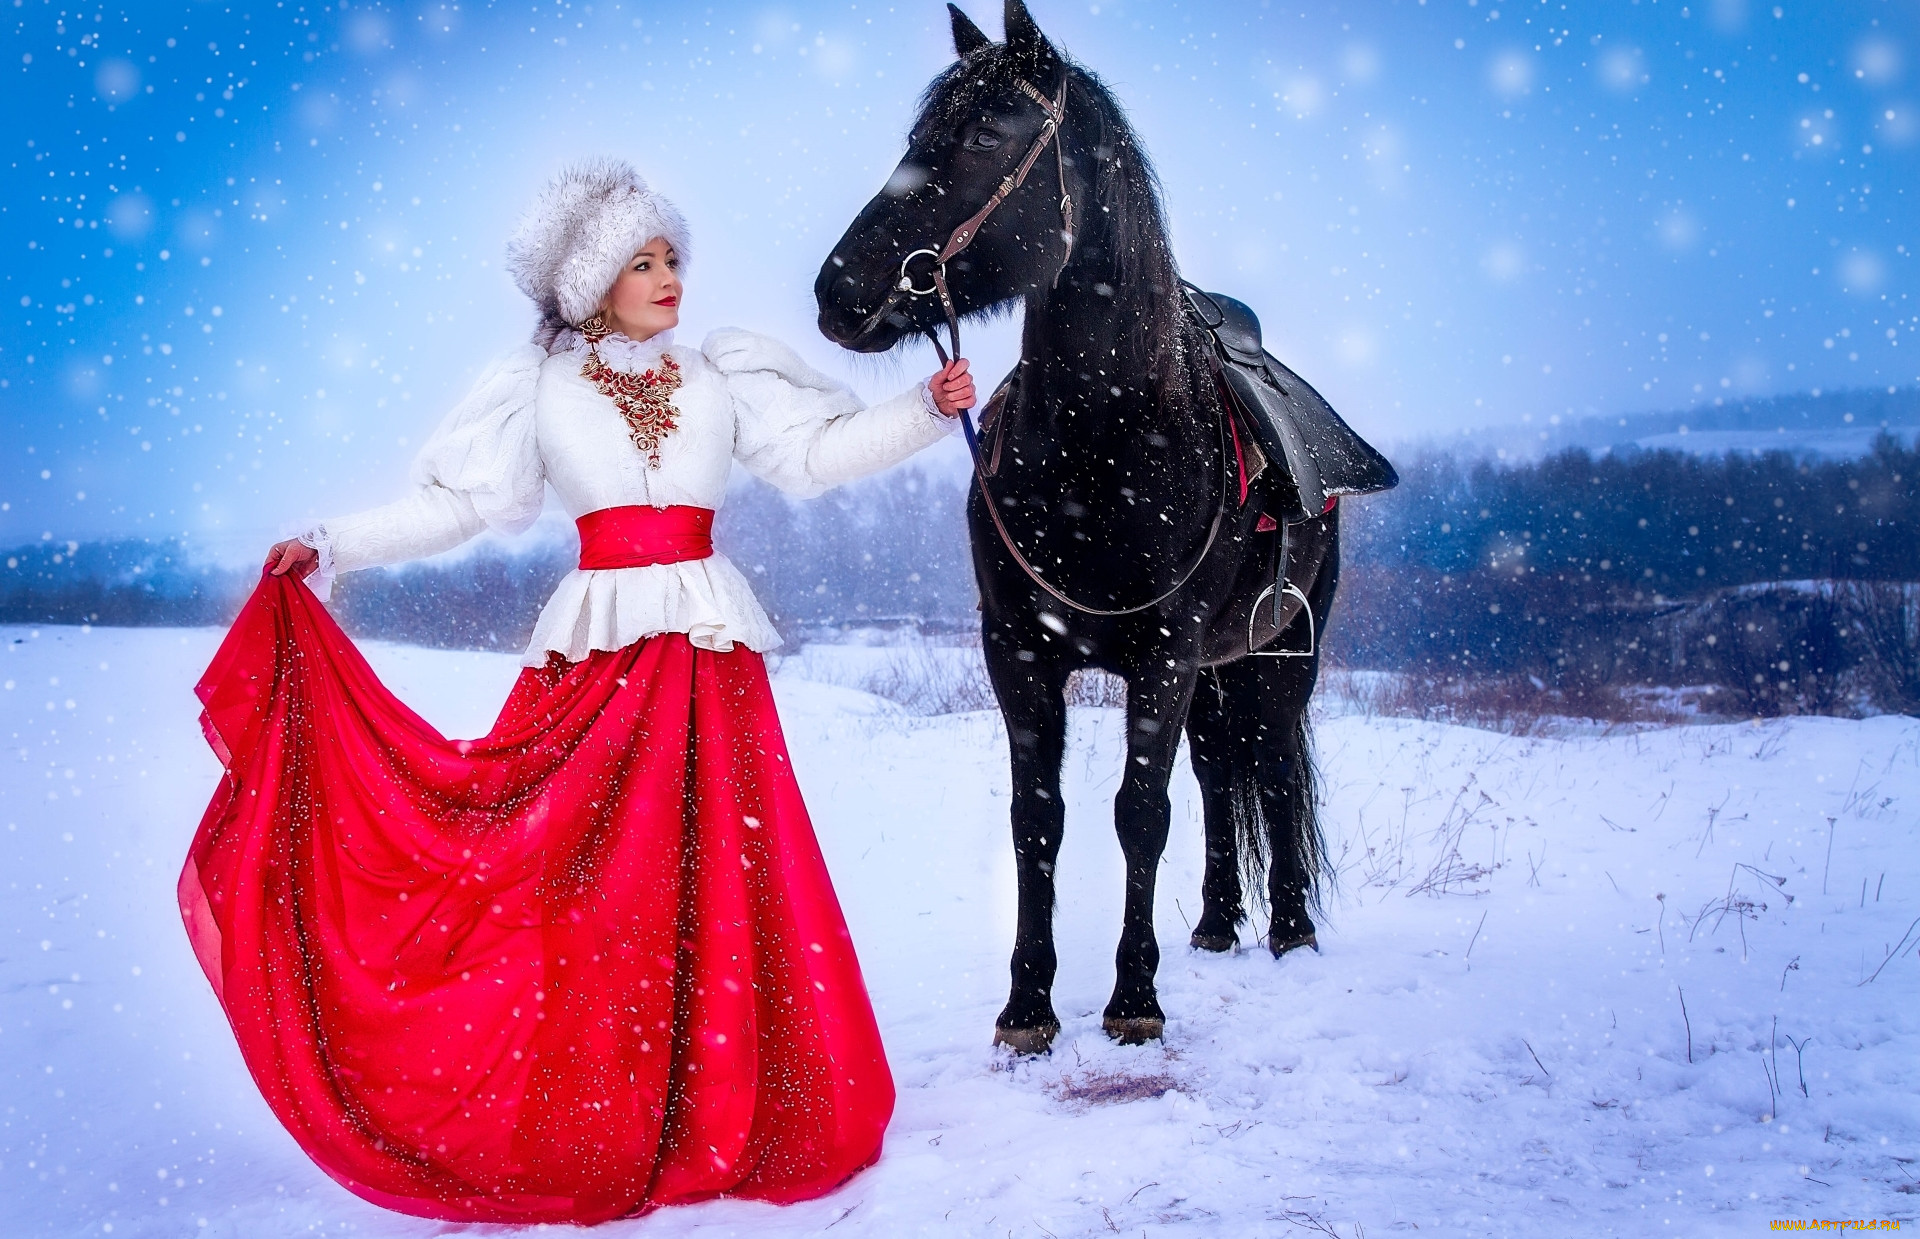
(595, 329)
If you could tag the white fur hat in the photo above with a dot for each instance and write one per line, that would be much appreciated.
(586, 224)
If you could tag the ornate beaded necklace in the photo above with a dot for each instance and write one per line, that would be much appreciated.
(644, 399)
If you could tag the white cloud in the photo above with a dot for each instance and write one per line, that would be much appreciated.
(367, 32)
(1678, 229)
(197, 230)
(1360, 63)
(1305, 96)
(1385, 154)
(1727, 16)
(401, 90)
(1862, 272)
(1623, 69)
(1504, 262)
(116, 80)
(439, 17)
(1899, 123)
(1750, 373)
(130, 217)
(775, 26)
(834, 58)
(1251, 256)
(1511, 73)
(1876, 61)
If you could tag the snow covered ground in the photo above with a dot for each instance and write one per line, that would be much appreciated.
(1493, 1042)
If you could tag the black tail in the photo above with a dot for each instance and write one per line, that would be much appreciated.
(1261, 761)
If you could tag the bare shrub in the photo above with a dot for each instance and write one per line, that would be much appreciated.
(930, 680)
(1099, 689)
(925, 683)
(1885, 616)
(1779, 648)
(1516, 705)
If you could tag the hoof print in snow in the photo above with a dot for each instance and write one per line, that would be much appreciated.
(1027, 1041)
(1281, 945)
(1134, 1030)
(1219, 944)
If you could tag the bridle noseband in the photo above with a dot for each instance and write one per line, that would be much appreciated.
(1055, 110)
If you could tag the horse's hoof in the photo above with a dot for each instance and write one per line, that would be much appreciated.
(1280, 946)
(1137, 1030)
(1218, 943)
(1027, 1042)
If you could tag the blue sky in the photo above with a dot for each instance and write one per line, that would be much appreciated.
(253, 249)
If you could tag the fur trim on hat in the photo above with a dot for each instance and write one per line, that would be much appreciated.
(580, 232)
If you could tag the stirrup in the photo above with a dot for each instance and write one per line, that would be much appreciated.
(1306, 609)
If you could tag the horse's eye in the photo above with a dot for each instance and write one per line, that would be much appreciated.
(983, 140)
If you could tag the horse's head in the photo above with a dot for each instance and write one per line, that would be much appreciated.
(977, 122)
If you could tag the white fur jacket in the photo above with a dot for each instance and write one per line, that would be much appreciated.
(531, 419)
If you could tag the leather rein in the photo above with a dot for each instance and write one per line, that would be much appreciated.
(1055, 110)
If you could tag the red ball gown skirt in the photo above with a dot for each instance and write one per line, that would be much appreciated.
(585, 965)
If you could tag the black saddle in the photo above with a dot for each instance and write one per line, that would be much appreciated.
(1292, 424)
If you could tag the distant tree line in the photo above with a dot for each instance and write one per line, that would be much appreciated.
(1584, 573)
(1782, 583)
(123, 582)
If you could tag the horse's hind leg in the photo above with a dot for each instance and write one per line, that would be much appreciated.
(1294, 845)
(1221, 906)
(1033, 703)
(1157, 701)
(1264, 761)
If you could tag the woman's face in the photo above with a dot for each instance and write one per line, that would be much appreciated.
(645, 300)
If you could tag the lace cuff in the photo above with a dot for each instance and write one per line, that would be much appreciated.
(320, 580)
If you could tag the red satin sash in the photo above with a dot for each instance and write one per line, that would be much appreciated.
(639, 536)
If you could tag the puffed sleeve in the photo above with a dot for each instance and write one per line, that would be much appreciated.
(804, 432)
(480, 469)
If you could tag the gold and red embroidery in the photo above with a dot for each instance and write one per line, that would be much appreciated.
(644, 399)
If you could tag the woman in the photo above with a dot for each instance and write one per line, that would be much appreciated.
(591, 962)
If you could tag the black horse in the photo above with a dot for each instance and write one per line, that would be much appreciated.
(1122, 521)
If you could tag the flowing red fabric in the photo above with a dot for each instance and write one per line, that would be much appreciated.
(587, 964)
(637, 536)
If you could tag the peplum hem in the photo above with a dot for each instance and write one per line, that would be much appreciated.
(610, 609)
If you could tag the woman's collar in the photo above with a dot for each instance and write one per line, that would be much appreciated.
(617, 350)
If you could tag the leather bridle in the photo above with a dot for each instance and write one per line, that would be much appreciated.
(1055, 110)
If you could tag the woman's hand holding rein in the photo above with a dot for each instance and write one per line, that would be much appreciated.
(952, 388)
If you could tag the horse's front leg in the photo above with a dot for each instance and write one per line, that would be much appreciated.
(1158, 696)
(1031, 690)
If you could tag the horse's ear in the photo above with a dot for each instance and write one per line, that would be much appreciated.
(1024, 39)
(967, 37)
